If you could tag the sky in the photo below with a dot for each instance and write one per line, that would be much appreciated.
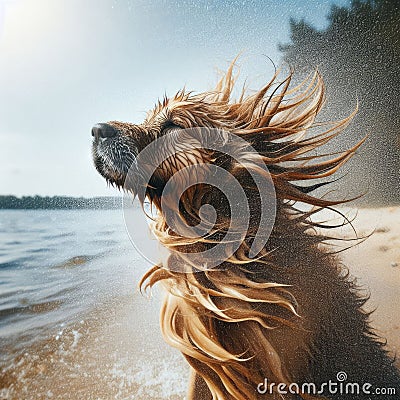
(68, 64)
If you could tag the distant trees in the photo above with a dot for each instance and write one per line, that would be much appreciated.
(58, 202)
(358, 55)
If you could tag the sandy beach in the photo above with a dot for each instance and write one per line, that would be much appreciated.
(376, 264)
(117, 352)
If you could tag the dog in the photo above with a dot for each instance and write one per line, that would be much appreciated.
(288, 315)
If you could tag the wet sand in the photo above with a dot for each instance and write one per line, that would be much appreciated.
(117, 352)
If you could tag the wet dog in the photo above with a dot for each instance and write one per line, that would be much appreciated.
(290, 313)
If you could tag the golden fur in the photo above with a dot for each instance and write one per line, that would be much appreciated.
(283, 315)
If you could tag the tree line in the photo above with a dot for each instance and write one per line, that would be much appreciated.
(358, 55)
(59, 202)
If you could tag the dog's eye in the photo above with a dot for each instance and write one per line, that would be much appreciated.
(169, 126)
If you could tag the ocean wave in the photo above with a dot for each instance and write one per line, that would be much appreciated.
(35, 308)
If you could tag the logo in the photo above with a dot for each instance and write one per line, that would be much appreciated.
(332, 387)
(178, 158)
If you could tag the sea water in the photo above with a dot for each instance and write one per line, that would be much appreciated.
(71, 314)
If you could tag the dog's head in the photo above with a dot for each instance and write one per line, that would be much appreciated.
(168, 136)
(175, 135)
(273, 121)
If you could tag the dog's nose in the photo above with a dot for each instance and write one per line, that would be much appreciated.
(103, 131)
